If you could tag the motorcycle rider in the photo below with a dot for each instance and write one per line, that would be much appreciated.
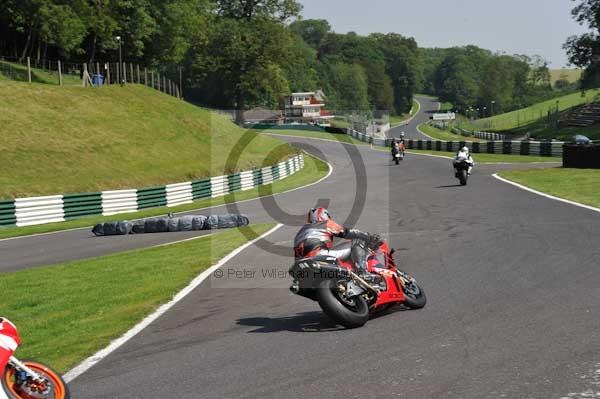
(463, 155)
(316, 238)
(9, 341)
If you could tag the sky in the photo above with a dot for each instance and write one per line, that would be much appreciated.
(531, 27)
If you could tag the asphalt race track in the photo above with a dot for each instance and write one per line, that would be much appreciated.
(428, 107)
(512, 282)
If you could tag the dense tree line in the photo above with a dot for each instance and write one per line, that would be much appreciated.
(472, 78)
(246, 53)
(235, 53)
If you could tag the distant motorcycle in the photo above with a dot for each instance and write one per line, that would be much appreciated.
(28, 379)
(398, 154)
(462, 168)
(346, 297)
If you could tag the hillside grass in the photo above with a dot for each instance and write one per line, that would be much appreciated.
(529, 115)
(572, 74)
(67, 312)
(18, 72)
(314, 169)
(59, 140)
(579, 185)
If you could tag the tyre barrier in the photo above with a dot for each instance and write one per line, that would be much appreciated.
(171, 224)
(538, 148)
(58, 208)
(583, 156)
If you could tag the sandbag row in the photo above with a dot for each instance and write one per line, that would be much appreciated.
(171, 224)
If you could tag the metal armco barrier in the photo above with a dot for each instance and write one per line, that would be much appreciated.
(480, 135)
(58, 208)
(538, 148)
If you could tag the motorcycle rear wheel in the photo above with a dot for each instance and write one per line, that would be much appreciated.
(56, 386)
(349, 315)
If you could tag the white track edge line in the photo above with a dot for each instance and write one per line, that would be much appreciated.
(191, 210)
(591, 208)
(114, 345)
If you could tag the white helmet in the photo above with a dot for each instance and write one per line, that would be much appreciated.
(465, 149)
(401, 134)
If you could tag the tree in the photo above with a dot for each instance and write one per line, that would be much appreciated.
(239, 64)
(584, 50)
(312, 31)
(280, 10)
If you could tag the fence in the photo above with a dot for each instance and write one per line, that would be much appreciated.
(480, 135)
(539, 148)
(58, 208)
(61, 73)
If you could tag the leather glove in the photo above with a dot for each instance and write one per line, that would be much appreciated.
(374, 241)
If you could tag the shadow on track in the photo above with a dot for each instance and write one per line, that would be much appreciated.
(452, 185)
(301, 322)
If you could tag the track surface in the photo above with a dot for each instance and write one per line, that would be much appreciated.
(512, 281)
(428, 107)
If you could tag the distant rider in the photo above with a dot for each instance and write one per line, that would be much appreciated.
(316, 238)
(463, 155)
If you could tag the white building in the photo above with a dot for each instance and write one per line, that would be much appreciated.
(307, 107)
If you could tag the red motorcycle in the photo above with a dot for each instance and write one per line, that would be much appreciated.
(25, 379)
(346, 297)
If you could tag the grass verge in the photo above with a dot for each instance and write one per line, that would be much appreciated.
(314, 169)
(396, 119)
(440, 134)
(483, 158)
(67, 312)
(579, 185)
(479, 158)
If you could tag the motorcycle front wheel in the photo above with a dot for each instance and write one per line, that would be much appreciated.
(52, 386)
(463, 177)
(414, 296)
(350, 313)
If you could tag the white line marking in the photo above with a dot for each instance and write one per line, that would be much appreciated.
(591, 208)
(190, 210)
(426, 135)
(114, 345)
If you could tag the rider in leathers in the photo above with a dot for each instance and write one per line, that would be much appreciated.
(316, 238)
(463, 155)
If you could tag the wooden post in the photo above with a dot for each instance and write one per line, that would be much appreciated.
(138, 73)
(158, 81)
(131, 74)
(152, 72)
(84, 76)
(164, 84)
(59, 74)
(29, 68)
(145, 76)
(97, 68)
(180, 82)
(107, 65)
(125, 72)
